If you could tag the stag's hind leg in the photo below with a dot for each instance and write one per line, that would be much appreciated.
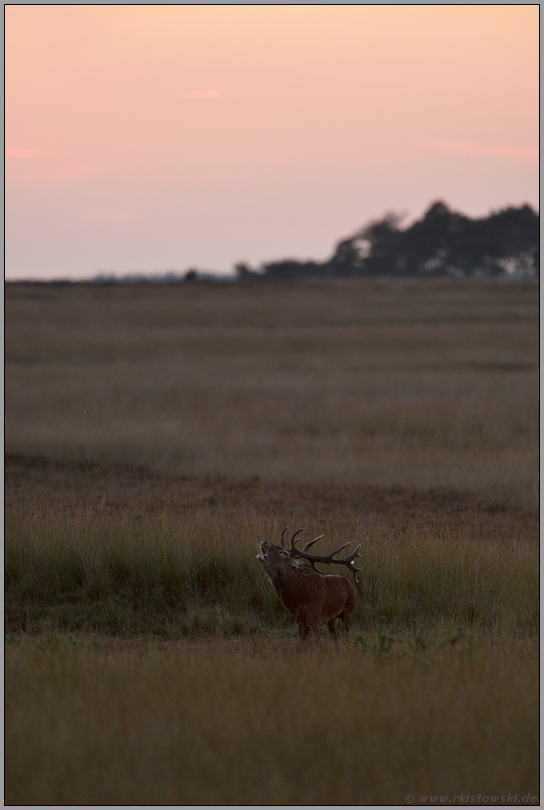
(333, 629)
(347, 617)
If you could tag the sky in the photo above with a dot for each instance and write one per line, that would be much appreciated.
(148, 139)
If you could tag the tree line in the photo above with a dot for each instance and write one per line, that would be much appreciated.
(443, 242)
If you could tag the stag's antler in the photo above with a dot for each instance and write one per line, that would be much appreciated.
(325, 559)
(293, 537)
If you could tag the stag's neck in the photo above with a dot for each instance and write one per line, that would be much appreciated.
(290, 585)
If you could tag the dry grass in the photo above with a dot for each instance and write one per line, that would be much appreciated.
(159, 574)
(156, 434)
(402, 383)
(266, 723)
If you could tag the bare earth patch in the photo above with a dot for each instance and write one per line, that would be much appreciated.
(116, 487)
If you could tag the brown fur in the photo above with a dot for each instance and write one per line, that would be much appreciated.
(313, 600)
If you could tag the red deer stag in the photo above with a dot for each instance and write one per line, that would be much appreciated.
(314, 599)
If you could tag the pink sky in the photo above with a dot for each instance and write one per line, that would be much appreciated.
(151, 138)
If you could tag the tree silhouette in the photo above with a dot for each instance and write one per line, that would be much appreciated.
(442, 242)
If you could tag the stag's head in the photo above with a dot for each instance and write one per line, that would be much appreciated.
(276, 558)
(279, 558)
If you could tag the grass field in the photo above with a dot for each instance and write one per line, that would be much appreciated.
(266, 722)
(155, 435)
(411, 383)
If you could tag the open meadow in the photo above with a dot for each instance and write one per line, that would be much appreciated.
(155, 434)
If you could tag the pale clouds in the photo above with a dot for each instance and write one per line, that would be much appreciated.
(31, 174)
(17, 152)
(209, 95)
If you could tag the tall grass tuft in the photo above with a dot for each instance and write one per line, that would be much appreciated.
(159, 574)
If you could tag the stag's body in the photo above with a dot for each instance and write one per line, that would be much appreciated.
(312, 599)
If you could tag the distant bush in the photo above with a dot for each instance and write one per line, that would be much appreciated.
(442, 243)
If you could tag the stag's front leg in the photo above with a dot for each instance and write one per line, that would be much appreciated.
(303, 626)
(307, 624)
